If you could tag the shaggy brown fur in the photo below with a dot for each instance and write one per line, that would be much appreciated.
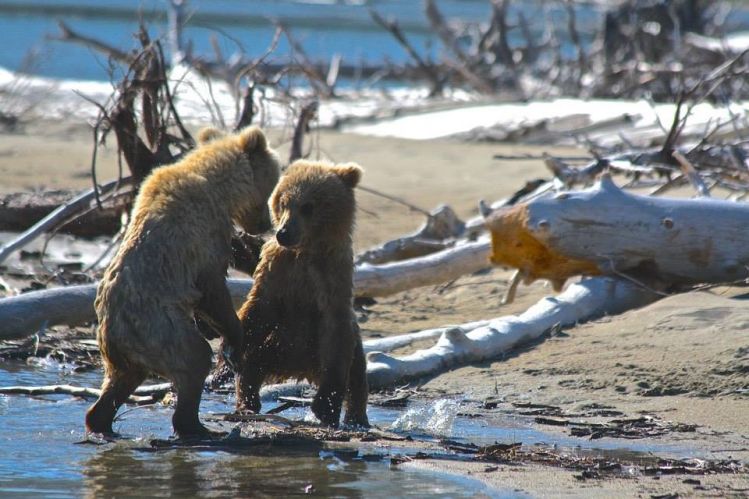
(298, 319)
(171, 268)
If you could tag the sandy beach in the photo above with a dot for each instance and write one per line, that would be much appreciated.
(683, 359)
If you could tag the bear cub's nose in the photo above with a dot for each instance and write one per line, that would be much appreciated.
(286, 237)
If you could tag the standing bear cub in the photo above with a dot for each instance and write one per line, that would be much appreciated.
(298, 318)
(165, 289)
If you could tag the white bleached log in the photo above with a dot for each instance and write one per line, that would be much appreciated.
(459, 346)
(29, 313)
(403, 340)
(146, 394)
(440, 230)
(26, 314)
(443, 266)
(663, 242)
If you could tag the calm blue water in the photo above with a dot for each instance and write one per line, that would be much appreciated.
(323, 27)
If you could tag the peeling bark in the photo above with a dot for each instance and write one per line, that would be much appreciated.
(662, 242)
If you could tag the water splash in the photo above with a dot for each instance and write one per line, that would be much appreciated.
(50, 363)
(334, 462)
(436, 418)
(309, 417)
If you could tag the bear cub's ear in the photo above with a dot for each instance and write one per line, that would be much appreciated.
(252, 139)
(209, 134)
(350, 173)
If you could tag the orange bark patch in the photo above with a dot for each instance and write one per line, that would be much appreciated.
(514, 245)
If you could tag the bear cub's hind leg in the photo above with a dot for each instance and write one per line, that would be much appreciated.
(117, 387)
(358, 388)
(335, 363)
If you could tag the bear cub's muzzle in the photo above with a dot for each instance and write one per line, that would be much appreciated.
(288, 235)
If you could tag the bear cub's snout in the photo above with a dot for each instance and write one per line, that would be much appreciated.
(288, 235)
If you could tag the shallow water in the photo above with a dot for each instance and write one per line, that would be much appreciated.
(38, 455)
(442, 418)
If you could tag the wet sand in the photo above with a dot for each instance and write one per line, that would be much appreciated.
(683, 359)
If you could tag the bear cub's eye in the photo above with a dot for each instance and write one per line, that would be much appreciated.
(306, 209)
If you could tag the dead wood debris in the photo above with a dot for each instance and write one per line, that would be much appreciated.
(593, 465)
(645, 426)
(264, 432)
(561, 52)
(20, 210)
(629, 50)
(75, 349)
(633, 428)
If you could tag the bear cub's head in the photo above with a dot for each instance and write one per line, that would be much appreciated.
(250, 170)
(313, 205)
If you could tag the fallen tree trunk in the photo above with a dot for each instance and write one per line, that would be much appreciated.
(459, 346)
(144, 394)
(404, 340)
(471, 342)
(440, 230)
(21, 210)
(25, 314)
(443, 266)
(58, 216)
(663, 243)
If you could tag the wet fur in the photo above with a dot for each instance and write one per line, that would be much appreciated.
(170, 269)
(298, 319)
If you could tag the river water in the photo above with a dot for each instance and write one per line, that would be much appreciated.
(322, 27)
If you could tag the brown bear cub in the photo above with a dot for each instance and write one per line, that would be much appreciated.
(298, 319)
(165, 289)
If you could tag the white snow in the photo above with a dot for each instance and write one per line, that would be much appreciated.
(401, 112)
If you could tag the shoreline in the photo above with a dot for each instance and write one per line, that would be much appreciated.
(682, 359)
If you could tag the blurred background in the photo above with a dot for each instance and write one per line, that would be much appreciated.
(529, 48)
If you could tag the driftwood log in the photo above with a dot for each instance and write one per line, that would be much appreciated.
(440, 230)
(459, 346)
(144, 394)
(21, 210)
(467, 343)
(25, 314)
(403, 340)
(59, 216)
(663, 243)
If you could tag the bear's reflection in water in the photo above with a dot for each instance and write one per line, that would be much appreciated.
(124, 472)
